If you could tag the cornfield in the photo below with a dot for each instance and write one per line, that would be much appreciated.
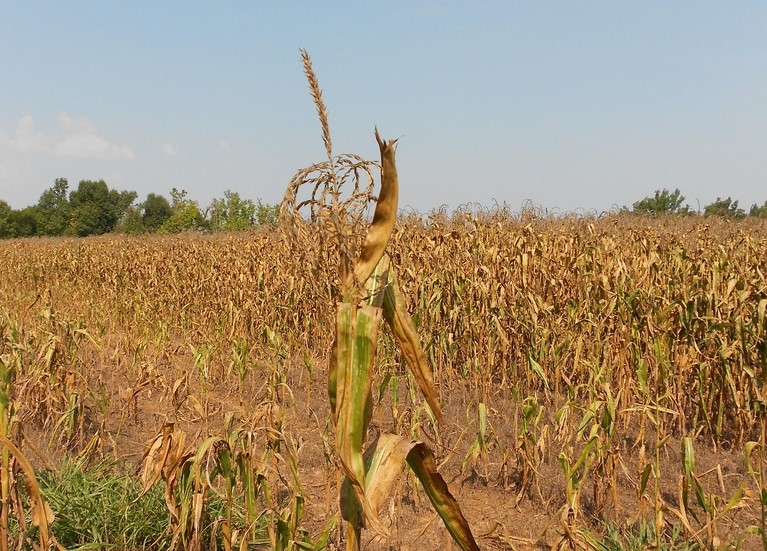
(594, 349)
(539, 307)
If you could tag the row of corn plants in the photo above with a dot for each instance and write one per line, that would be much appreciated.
(670, 313)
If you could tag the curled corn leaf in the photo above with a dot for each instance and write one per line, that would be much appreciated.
(386, 212)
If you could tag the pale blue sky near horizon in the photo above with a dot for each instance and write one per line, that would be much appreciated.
(570, 106)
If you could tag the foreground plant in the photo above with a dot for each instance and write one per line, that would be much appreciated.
(369, 294)
(14, 466)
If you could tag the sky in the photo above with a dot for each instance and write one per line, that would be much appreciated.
(572, 107)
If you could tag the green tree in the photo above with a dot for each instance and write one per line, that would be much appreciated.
(663, 202)
(185, 214)
(132, 223)
(155, 211)
(96, 209)
(53, 209)
(232, 213)
(726, 208)
(266, 214)
(757, 211)
(23, 223)
(6, 227)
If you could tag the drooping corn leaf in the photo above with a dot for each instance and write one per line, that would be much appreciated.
(405, 334)
(421, 460)
(385, 460)
(160, 456)
(42, 516)
(384, 463)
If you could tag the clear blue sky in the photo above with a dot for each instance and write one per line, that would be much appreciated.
(575, 106)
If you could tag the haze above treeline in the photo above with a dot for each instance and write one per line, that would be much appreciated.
(94, 209)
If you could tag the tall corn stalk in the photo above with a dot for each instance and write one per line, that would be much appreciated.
(369, 294)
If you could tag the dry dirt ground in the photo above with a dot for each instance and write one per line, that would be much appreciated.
(489, 496)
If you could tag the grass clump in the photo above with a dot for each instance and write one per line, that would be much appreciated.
(94, 508)
(640, 536)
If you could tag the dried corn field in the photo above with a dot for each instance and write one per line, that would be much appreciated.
(586, 361)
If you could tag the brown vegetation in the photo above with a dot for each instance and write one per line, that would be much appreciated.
(582, 357)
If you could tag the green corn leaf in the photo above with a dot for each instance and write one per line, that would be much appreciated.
(736, 501)
(688, 457)
(324, 537)
(535, 366)
(482, 413)
(645, 477)
(585, 456)
(383, 386)
(356, 339)
(248, 477)
(700, 495)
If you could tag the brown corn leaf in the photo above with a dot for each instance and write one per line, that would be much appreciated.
(399, 320)
(42, 516)
(160, 455)
(386, 212)
(421, 460)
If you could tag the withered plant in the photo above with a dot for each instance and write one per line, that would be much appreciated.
(368, 293)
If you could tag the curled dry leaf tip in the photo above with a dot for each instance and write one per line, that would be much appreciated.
(382, 226)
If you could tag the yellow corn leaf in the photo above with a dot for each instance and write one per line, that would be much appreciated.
(384, 462)
(375, 286)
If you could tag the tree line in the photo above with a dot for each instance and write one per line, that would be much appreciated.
(672, 202)
(94, 209)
